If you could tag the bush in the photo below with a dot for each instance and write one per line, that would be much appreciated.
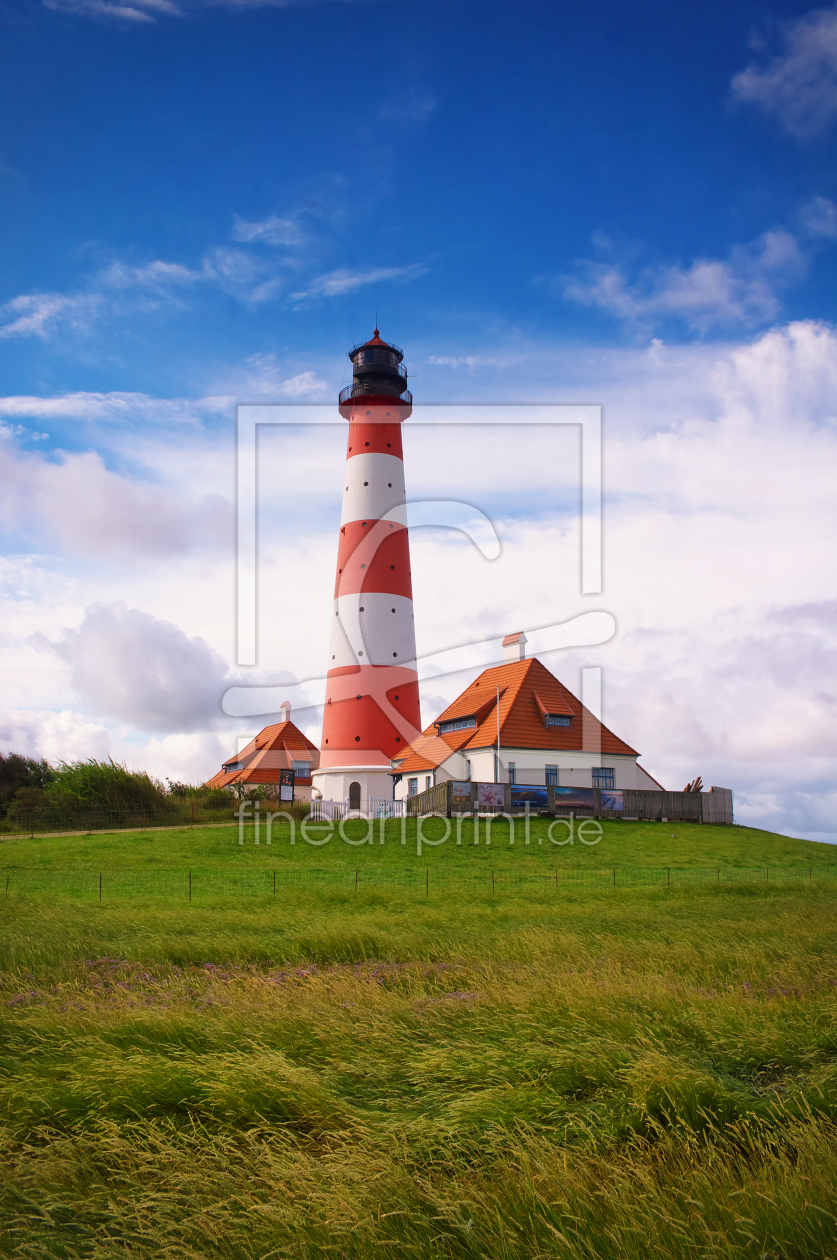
(21, 774)
(107, 785)
(203, 797)
(89, 785)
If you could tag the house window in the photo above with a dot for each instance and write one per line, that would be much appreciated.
(412, 787)
(512, 771)
(233, 765)
(302, 769)
(457, 724)
(557, 719)
(426, 782)
(552, 776)
(467, 769)
(603, 777)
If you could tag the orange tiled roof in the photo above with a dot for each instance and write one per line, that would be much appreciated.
(527, 693)
(272, 750)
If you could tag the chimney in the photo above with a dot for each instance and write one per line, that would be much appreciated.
(285, 710)
(514, 647)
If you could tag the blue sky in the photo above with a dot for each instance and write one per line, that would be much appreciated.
(228, 181)
(206, 203)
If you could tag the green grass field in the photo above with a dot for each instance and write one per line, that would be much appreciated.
(419, 1068)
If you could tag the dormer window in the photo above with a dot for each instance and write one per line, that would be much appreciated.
(233, 765)
(457, 724)
(559, 714)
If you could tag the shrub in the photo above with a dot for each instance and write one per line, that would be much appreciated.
(21, 774)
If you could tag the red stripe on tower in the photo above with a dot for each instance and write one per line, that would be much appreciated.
(372, 701)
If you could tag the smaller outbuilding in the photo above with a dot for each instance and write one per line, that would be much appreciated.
(276, 748)
(518, 724)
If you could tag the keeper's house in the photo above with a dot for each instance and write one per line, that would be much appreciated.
(279, 747)
(544, 735)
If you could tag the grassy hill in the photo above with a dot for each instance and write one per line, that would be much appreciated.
(547, 1070)
(623, 844)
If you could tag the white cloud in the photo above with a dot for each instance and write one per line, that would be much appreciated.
(60, 736)
(157, 275)
(142, 11)
(233, 270)
(708, 293)
(77, 505)
(122, 408)
(183, 758)
(343, 280)
(819, 218)
(799, 85)
(65, 735)
(101, 9)
(268, 378)
(39, 314)
(132, 667)
(474, 361)
(121, 289)
(271, 231)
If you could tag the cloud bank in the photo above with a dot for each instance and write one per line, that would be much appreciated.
(720, 465)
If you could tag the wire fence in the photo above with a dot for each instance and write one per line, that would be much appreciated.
(197, 884)
(43, 822)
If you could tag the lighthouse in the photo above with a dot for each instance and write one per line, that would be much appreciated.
(371, 711)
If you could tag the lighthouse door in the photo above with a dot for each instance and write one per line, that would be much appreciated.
(354, 796)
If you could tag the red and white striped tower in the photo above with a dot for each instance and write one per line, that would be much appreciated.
(372, 700)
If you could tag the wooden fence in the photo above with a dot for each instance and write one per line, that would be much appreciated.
(714, 806)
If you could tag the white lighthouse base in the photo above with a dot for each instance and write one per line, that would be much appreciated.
(334, 783)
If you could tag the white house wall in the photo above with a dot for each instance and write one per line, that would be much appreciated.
(575, 769)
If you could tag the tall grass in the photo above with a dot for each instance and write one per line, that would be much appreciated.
(649, 1073)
